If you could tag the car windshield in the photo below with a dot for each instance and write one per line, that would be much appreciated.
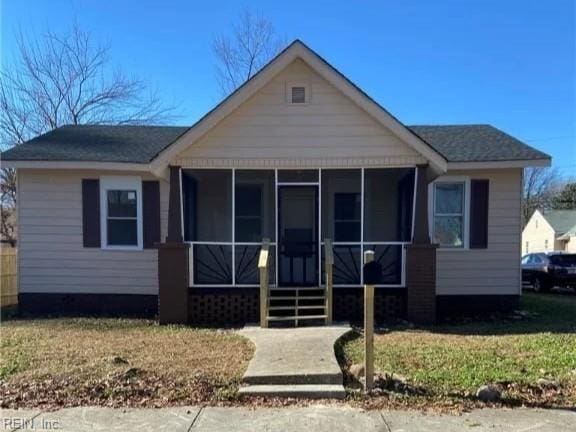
(563, 260)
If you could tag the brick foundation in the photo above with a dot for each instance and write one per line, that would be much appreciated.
(173, 283)
(421, 283)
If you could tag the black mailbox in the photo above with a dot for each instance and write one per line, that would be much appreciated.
(372, 273)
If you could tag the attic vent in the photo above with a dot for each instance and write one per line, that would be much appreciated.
(298, 95)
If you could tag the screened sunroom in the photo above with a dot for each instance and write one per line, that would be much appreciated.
(227, 215)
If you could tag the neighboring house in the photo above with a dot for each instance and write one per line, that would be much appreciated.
(172, 219)
(550, 230)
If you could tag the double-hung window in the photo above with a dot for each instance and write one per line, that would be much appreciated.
(121, 212)
(449, 214)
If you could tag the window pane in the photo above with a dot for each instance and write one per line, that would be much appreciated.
(347, 206)
(296, 176)
(341, 202)
(248, 200)
(448, 231)
(255, 205)
(345, 231)
(388, 196)
(449, 198)
(207, 196)
(122, 232)
(122, 203)
(248, 230)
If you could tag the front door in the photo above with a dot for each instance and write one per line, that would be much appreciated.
(298, 235)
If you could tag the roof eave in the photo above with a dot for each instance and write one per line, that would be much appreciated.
(106, 166)
(500, 164)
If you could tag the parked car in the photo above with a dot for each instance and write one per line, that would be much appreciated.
(547, 270)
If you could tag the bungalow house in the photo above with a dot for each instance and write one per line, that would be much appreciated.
(550, 230)
(298, 167)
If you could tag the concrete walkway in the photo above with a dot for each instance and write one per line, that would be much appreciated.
(316, 419)
(296, 362)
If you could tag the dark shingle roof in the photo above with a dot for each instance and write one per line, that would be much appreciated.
(129, 144)
(476, 143)
(141, 144)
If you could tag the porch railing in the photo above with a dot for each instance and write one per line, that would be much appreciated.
(263, 263)
(329, 264)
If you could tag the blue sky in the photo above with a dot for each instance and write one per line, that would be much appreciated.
(510, 63)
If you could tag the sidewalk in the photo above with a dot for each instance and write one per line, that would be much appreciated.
(317, 419)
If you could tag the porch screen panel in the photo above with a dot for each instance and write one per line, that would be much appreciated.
(388, 199)
(341, 205)
(247, 272)
(255, 206)
(347, 264)
(207, 208)
(207, 197)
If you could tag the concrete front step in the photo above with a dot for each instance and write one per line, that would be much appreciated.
(309, 391)
(296, 317)
(293, 379)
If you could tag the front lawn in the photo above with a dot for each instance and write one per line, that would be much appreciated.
(115, 362)
(449, 362)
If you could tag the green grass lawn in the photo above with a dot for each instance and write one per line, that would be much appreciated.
(117, 362)
(454, 360)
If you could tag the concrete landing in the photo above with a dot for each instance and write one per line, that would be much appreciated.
(294, 362)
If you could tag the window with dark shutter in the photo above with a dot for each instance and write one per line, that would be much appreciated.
(91, 213)
(479, 193)
(151, 213)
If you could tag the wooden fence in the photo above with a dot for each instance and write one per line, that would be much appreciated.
(8, 277)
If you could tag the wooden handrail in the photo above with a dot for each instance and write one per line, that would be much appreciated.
(329, 264)
(263, 263)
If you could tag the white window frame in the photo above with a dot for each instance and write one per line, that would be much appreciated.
(307, 94)
(108, 183)
(466, 219)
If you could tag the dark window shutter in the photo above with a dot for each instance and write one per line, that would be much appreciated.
(91, 213)
(151, 213)
(479, 190)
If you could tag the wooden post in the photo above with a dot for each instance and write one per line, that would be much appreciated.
(369, 328)
(329, 262)
(263, 268)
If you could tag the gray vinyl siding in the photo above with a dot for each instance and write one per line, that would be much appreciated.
(495, 270)
(52, 258)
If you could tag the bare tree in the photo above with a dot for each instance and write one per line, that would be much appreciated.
(239, 56)
(540, 186)
(65, 79)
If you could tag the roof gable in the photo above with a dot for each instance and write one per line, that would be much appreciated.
(327, 130)
(298, 50)
(561, 221)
